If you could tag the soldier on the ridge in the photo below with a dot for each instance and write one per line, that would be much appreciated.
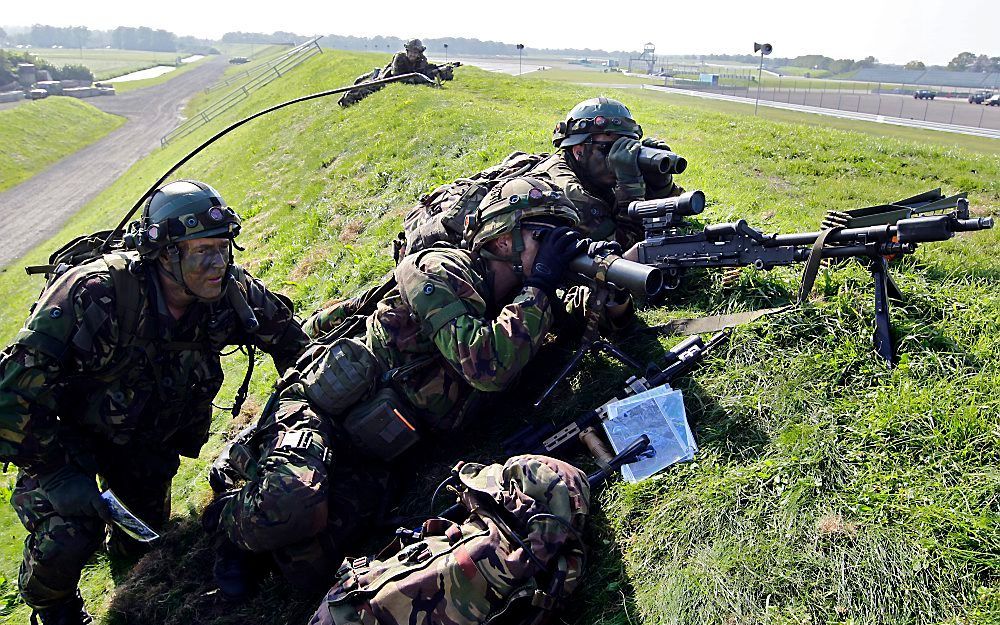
(596, 166)
(412, 60)
(458, 323)
(113, 377)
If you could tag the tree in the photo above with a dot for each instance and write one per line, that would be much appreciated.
(961, 62)
(915, 65)
(982, 64)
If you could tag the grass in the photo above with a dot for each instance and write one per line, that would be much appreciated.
(828, 487)
(106, 63)
(34, 135)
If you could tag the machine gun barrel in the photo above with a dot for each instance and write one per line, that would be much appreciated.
(641, 280)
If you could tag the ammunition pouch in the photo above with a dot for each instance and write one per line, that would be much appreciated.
(338, 375)
(382, 426)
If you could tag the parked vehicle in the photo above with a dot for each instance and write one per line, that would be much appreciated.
(993, 101)
(239, 60)
(924, 94)
(37, 94)
(979, 97)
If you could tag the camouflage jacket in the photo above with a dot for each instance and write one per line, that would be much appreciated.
(70, 392)
(401, 64)
(600, 217)
(442, 320)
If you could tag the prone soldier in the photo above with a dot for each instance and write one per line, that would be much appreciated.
(113, 377)
(458, 323)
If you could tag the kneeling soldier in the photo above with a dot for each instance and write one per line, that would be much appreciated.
(113, 377)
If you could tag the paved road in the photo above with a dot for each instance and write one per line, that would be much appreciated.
(37, 208)
(887, 115)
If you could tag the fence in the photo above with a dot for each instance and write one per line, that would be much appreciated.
(256, 78)
(899, 102)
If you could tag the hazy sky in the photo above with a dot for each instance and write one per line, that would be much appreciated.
(894, 31)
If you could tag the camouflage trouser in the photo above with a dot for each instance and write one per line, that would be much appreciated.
(299, 504)
(57, 547)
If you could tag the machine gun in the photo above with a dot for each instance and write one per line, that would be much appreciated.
(892, 230)
(446, 71)
(552, 439)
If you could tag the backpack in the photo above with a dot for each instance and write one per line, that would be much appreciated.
(514, 558)
(439, 217)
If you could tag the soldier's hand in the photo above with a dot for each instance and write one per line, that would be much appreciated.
(656, 144)
(559, 247)
(624, 160)
(600, 249)
(72, 493)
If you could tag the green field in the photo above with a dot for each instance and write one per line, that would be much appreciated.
(106, 63)
(132, 85)
(828, 488)
(36, 134)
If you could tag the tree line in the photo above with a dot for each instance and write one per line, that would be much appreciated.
(123, 38)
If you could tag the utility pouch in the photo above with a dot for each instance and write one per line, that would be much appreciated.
(340, 375)
(382, 426)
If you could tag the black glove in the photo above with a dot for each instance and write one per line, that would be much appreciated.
(72, 493)
(599, 249)
(654, 178)
(656, 144)
(559, 247)
(624, 162)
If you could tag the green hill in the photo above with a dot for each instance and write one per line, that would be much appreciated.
(36, 134)
(828, 488)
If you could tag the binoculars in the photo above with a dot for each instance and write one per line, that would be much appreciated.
(654, 161)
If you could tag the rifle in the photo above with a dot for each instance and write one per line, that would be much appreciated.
(893, 230)
(551, 439)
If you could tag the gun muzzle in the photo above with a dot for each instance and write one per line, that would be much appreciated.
(654, 161)
(938, 227)
(690, 203)
(640, 280)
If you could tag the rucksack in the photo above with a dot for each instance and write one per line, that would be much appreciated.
(439, 217)
(514, 558)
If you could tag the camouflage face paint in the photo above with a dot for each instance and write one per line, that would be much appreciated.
(204, 263)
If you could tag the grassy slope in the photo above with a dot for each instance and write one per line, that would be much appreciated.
(37, 134)
(828, 487)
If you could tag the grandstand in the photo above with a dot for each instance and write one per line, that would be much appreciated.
(930, 78)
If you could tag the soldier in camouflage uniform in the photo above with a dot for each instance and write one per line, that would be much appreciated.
(113, 377)
(596, 166)
(412, 60)
(457, 324)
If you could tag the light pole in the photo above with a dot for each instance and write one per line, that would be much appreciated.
(764, 49)
(445, 53)
(520, 49)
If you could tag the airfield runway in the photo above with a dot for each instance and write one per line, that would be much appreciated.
(37, 209)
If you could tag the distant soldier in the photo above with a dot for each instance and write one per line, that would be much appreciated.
(458, 323)
(596, 166)
(113, 377)
(410, 61)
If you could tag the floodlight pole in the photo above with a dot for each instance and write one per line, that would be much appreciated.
(445, 53)
(520, 49)
(760, 71)
(764, 49)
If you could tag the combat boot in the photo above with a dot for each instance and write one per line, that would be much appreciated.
(71, 612)
(233, 569)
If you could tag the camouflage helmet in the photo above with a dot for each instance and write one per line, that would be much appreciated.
(593, 117)
(514, 202)
(180, 211)
(414, 44)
